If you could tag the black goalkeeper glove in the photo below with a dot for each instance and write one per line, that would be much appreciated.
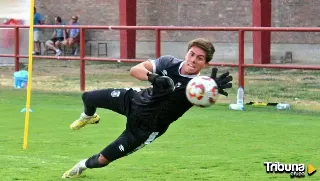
(162, 82)
(223, 81)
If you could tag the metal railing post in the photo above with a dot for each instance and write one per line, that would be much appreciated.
(16, 49)
(82, 61)
(241, 59)
(158, 43)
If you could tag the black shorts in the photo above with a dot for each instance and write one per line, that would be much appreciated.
(55, 39)
(134, 137)
(117, 100)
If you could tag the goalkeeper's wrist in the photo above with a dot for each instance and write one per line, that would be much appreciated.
(151, 76)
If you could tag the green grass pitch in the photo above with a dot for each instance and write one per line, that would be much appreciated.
(205, 144)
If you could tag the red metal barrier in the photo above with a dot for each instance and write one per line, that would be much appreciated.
(241, 30)
(241, 59)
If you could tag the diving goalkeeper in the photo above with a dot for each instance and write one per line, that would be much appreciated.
(149, 111)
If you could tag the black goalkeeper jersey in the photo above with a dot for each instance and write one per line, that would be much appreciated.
(155, 110)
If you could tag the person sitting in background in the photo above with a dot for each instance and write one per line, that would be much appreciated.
(72, 34)
(58, 36)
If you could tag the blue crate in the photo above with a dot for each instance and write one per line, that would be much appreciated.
(20, 79)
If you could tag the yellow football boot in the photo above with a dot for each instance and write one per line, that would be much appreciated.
(84, 120)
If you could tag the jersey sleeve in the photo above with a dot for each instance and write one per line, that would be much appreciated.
(40, 18)
(163, 62)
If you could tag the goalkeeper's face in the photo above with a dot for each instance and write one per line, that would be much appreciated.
(195, 60)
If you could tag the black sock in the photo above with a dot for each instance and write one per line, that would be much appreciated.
(88, 110)
(93, 162)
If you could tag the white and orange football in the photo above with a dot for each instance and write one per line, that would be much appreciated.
(202, 91)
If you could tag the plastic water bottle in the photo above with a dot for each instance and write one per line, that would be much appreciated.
(240, 96)
(238, 107)
(281, 106)
(240, 100)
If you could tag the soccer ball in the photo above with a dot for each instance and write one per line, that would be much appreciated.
(202, 91)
